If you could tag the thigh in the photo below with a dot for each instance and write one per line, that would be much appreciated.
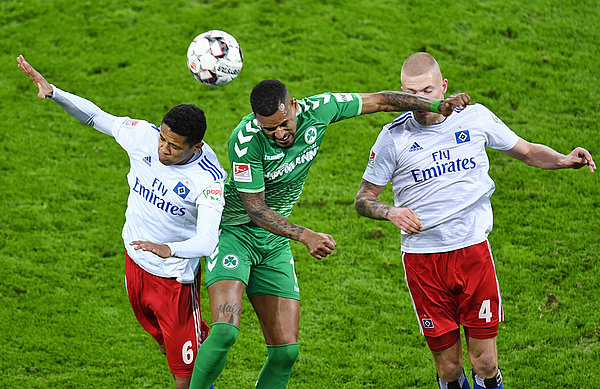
(226, 301)
(279, 318)
(481, 303)
(435, 304)
(176, 307)
(232, 258)
(135, 279)
(275, 274)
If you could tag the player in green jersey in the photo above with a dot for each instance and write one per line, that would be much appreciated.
(271, 151)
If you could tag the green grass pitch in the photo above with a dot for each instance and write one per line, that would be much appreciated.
(65, 321)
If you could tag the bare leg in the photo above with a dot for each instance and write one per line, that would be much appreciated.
(483, 356)
(448, 362)
(226, 301)
(279, 318)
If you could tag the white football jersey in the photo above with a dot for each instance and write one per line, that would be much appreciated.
(441, 173)
(163, 200)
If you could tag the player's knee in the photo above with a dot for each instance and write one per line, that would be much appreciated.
(224, 334)
(450, 370)
(485, 364)
(283, 356)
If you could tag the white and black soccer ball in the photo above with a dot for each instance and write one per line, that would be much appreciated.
(215, 58)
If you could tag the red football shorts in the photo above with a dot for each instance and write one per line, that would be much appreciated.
(170, 312)
(452, 289)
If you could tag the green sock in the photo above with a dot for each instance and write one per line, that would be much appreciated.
(276, 371)
(212, 356)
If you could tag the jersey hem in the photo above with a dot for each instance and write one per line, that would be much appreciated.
(444, 249)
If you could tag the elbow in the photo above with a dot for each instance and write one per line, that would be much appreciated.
(359, 205)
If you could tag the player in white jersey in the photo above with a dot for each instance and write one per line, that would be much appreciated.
(175, 181)
(438, 168)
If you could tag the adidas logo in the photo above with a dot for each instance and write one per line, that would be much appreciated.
(148, 160)
(415, 147)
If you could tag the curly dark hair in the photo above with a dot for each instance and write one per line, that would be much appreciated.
(266, 97)
(187, 120)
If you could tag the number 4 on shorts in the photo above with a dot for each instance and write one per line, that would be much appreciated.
(485, 311)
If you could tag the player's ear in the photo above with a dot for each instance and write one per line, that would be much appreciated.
(198, 146)
(444, 86)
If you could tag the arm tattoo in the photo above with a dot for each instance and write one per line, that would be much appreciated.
(265, 217)
(368, 204)
(401, 101)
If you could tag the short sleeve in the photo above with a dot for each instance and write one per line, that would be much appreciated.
(246, 159)
(498, 135)
(382, 160)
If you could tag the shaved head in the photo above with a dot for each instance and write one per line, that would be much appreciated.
(421, 76)
(419, 64)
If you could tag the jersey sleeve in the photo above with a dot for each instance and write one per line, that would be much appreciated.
(333, 107)
(129, 132)
(210, 205)
(245, 154)
(382, 160)
(85, 111)
(498, 135)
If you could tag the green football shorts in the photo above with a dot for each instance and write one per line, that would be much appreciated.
(260, 259)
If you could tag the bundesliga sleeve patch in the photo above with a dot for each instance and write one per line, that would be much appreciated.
(131, 122)
(343, 97)
(371, 160)
(214, 192)
(242, 172)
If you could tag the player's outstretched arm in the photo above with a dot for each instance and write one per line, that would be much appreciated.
(319, 245)
(44, 88)
(544, 157)
(367, 204)
(401, 101)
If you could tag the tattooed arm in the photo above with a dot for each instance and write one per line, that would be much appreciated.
(401, 101)
(319, 245)
(367, 204)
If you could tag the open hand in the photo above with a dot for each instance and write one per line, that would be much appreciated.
(45, 89)
(162, 250)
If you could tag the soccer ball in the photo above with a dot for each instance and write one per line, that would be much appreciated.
(215, 58)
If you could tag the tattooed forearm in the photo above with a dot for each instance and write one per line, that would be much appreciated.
(367, 202)
(268, 219)
(401, 101)
(372, 208)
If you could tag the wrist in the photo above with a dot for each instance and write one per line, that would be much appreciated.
(435, 105)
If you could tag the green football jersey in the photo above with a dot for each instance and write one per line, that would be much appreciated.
(258, 164)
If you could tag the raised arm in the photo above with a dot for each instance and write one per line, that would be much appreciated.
(367, 204)
(81, 109)
(544, 157)
(401, 101)
(319, 245)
